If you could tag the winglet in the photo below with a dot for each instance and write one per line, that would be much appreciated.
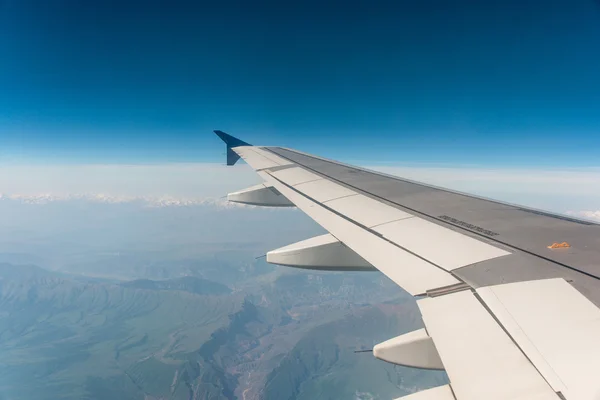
(231, 141)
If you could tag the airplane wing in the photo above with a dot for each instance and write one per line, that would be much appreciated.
(509, 295)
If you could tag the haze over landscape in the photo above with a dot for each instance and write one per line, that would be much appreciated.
(137, 294)
(144, 301)
(125, 274)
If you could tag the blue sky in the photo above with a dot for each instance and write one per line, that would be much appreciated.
(497, 83)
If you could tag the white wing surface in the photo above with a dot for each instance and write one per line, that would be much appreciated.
(509, 295)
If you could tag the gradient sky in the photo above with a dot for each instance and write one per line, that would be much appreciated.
(503, 83)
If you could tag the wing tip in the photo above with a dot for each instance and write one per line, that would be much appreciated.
(231, 141)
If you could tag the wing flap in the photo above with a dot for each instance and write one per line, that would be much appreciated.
(295, 176)
(323, 190)
(482, 362)
(366, 211)
(441, 246)
(558, 329)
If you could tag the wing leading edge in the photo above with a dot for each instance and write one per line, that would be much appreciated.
(506, 315)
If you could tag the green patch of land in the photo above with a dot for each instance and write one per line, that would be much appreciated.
(280, 334)
(323, 365)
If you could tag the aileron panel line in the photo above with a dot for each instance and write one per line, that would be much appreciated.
(440, 245)
(323, 190)
(366, 211)
(295, 176)
(413, 274)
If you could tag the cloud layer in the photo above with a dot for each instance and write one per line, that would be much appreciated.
(164, 185)
(180, 181)
(595, 215)
(150, 201)
(556, 189)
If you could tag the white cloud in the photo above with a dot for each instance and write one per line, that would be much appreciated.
(180, 181)
(558, 189)
(196, 184)
(158, 185)
(150, 201)
(586, 214)
(584, 181)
